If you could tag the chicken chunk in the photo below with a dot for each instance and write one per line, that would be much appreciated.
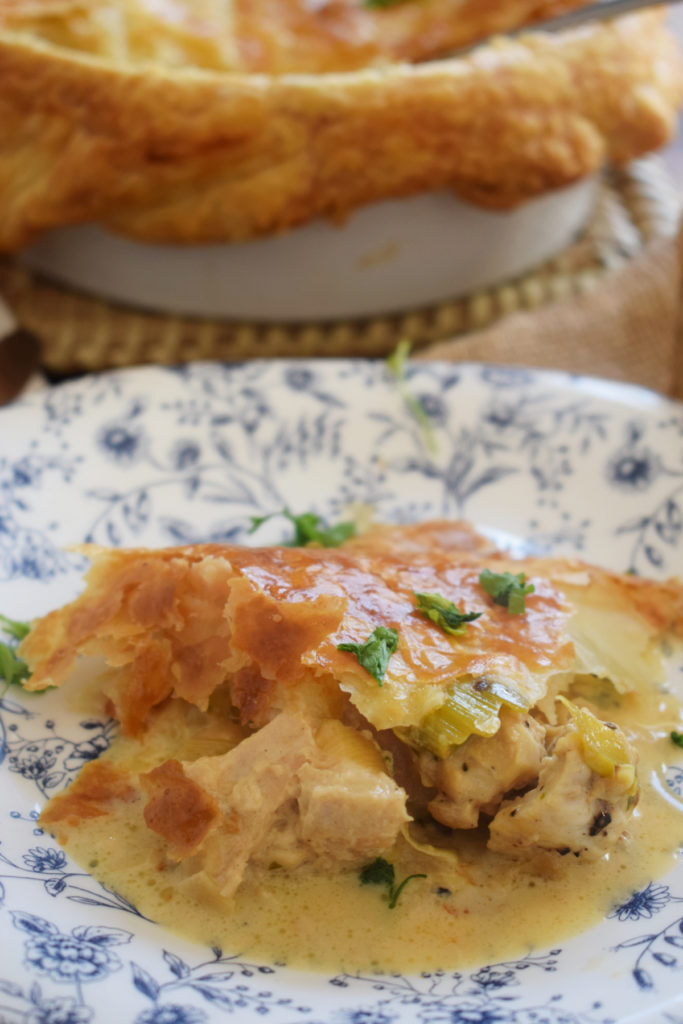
(476, 776)
(283, 796)
(249, 784)
(573, 809)
(350, 815)
(348, 810)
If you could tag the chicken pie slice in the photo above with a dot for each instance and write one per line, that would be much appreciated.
(313, 709)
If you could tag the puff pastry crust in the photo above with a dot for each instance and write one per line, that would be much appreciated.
(271, 36)
(194, 136)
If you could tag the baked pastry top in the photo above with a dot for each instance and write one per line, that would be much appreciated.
(270, 36)
(189, 122)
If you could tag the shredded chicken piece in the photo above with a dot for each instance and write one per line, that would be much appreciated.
(250, 784)
(279, 797)
(572, 809)
(475, 777)
(350, 816)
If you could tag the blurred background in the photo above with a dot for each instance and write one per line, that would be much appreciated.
(589, 285)
(673, 156)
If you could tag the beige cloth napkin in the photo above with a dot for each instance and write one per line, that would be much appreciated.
(628, 329)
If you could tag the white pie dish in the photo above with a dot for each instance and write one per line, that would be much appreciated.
(387, 258)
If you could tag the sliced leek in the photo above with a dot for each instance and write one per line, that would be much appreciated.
(604, 749)
(422, 846)
(471, 708)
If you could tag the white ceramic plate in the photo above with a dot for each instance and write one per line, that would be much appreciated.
(156, 456)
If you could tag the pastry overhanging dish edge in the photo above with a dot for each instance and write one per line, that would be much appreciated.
(202, 156)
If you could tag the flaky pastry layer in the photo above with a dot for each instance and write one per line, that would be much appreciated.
(270, 36)
(195, 155)
(181, 621)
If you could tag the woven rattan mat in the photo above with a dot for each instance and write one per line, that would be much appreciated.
(634, 206)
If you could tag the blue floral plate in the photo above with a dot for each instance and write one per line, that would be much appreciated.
(154, 456)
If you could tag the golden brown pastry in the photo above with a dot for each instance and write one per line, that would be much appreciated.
(270, 36)
(179, 622)
(211, 122)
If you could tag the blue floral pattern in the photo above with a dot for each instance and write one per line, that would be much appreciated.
(544, 462)
(51, 761)
(79, 957)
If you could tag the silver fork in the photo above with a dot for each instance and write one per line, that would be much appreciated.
(604, 10)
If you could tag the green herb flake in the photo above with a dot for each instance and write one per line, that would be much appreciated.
(374, 5)
(375, 652)
(444, 613)
(507, 589)
(257, 521)
(17, 630)
(677, 738)
(396, 364)
(309, 529)
(12, 668)
(381, 872)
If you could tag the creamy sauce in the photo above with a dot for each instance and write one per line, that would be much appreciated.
(489, 908)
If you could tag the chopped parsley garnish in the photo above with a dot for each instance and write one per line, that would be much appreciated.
(507, 589)
(381, 872)
(375, 4)
(375, 652)
(677, 738)
(396, 364)
(17, 630)
(444, 613)
(310, 529)
(12, 668)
